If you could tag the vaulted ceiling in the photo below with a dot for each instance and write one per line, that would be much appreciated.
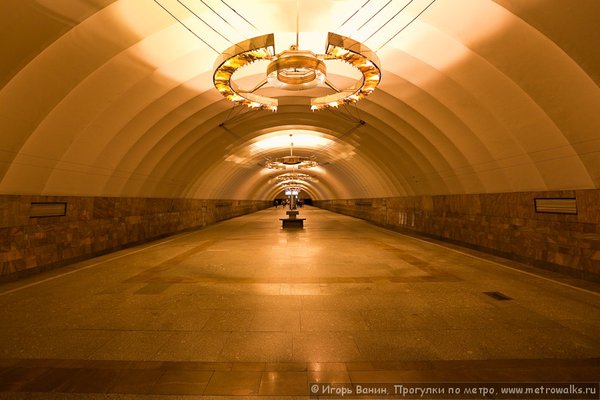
(115, 98)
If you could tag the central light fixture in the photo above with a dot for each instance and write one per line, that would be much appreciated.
(296, 69)
(292, 160)
(293, 177)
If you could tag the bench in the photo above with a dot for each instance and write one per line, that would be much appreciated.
(292, 221)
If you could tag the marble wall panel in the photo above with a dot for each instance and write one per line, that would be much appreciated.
(500, 223)
(97, 225)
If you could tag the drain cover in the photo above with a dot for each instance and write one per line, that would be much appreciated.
(498, 295)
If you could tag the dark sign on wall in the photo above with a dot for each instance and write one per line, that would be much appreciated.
(48, 209)
(556, 205)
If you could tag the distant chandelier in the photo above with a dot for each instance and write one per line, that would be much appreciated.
(296, 69)
(294, 177)
(292, 160)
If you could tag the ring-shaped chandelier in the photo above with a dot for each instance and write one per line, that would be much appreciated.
(294, 176)
(295, 69)
(300, 162)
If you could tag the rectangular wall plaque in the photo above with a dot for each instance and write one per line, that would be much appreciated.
(48, 209)
(556, 206)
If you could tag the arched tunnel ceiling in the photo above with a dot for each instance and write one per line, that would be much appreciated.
(115, 98)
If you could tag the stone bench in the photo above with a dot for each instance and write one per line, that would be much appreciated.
(292, 221)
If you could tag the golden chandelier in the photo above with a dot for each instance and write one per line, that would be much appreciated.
(295, 69)
(300, 162)
(294, 177)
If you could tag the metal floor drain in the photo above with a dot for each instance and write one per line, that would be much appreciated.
(498, 295)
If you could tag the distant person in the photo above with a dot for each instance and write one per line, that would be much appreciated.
(275, 203)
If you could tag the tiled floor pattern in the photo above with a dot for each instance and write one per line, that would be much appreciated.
(266, 379)
(243, 308)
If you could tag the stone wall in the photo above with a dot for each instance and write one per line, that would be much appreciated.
(97, 225)
(504, 224)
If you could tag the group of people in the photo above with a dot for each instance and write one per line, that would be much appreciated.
(285, 202)
(278, 202)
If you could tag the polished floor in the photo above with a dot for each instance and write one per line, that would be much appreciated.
(244, 308)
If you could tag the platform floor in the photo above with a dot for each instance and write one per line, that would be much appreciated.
(246, 308)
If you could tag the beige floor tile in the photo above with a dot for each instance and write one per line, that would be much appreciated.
(258, 346)
(275, 320)
(325, 347)
(132, 345)
(237, 383)
(277, 383)
(333, 320)
(182, 382)
(192, 346)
